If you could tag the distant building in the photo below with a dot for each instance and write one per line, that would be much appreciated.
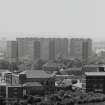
(87, 50)
(42, 48)
(61, 47)
(99, 46)
(28, 48)
(81, 49)
(36, 50)
(101, 54)
(12, 51)
(3, 46)
(58, 47)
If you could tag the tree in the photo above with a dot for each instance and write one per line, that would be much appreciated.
(38, 64)
(72, 63)
(77, 62)
(13, 66)
(26, 64)
(4, 64)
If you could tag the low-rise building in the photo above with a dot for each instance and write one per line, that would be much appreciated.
(2, 75)
(95, 82)
(11, 79)
(31, 79)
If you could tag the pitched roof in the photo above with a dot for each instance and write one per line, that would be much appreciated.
(36, 74)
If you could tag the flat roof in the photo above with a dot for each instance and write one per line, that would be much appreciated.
(94, 65)
(95, 73)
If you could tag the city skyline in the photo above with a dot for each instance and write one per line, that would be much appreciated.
(69, 18)
(6, 36)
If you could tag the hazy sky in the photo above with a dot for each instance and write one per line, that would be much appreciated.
(78, 18)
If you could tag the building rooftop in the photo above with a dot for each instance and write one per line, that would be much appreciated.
(36, 74)
(94, 65)
(95, 73)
